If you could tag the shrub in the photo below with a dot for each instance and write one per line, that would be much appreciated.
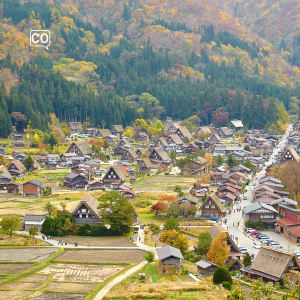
(189, 254)
(221, 274)
(84, 230)
(151, 290)
(149, 257)
(142, 203)
(192, 259)
(227, 285)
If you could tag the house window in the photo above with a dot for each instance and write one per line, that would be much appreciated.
(109, 176)
(80, 216)
(114, 176)
(206, 206)
(83, 210)
(212, 206)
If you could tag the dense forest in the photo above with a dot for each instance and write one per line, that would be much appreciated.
(101, 72)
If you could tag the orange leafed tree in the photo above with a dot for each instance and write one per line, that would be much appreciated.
(290, 177)
(218, 252)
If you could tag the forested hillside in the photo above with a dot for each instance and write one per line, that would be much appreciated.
(117, 61)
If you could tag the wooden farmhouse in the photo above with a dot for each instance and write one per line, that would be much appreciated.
(32, 188)
(75, 127)
(194, 167)
(261, 211)
(205, 268)
(161, 142)
(159, 157)
(86, 212)
(271, 264)
(169, 259)
(122, 147)
(289, 154)
(130, 155)
(205, 129)
(224, 132)
(282, 205)
(13, 187)
(212, 207)
(214, 139)
(144, 165)
(102, 133)
(174, 139)
(94, 185)
(173, 127)
(117, 130)
(33, 220)
(81, 148)
(75, 181)
(16, 169)
(114, 177)
(183, 133)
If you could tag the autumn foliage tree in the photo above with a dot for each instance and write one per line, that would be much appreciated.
(158, 207)
(290, 177)
(218, 252)
(175, 238)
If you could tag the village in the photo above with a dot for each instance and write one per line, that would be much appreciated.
(171, 215)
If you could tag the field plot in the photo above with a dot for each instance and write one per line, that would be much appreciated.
(12, 295)
(62, 286)
(26, 254)
(22, 285)
(19, 239)
(99, 241)
(81, 273)
(165, 183)
(102, 256)
(14, 268)
(35, 278)
(58, 296)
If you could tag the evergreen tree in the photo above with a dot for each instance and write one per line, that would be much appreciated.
(230, 161)
(28, 162)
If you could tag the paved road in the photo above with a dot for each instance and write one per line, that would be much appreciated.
(235, 217)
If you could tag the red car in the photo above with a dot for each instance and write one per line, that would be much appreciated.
(255, 232)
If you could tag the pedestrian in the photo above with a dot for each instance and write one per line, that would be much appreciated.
(88, 244)
(66, 243)
(155, 245)
(58, 242)
(233, 224)
(130, 238)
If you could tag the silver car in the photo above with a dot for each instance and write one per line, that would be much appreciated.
(278, 246)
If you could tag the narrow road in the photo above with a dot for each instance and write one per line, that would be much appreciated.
(236, 217)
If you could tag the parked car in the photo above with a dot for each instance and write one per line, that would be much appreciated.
(278, 246)
(259, 235)
(245, 198)
(256, 245)
(298, 254)
(255, 233)
(263, 237)
(274, 243)
(243, 250)
(267, 241)
(213, 219)
(251, 189)
(250, 230)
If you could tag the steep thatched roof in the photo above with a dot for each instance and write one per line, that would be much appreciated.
(216, 230)
(4, 170)
(119, 128)
(117, 170)
(147, 162)
(216, 200)
(163, 141)
(273, 261)
(75, 125)
(84, 147)
(19, 165)
(90, 202)
(104, 132)
(176, 139)
(161, 152)
(132, 153)
(185, 132)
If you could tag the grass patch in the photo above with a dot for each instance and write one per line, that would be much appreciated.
(133, 279)
(150, 269)
(154, 279)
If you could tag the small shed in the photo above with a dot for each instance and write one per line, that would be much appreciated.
(13, 187)
(205, 268)
(31, 220)
(169, 259)
(32, 188)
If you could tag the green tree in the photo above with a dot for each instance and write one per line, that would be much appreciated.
(33, 230)
(230, 161)
(116, 211)
(220, 160)
(158, 126)
(186, 140)
(10, 224)
(237, 294)
(202, 136)
(282, 114)
(247, 260)
(204, 243)
(247, 148)
(247, 163)
(49, 208)
(221, 274)
(28, 162)
(106, 145)
(52, 140)
(178, 190)
(170, 224)
(261, 290)
(173, 155)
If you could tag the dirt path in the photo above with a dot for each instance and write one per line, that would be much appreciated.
(118, 279)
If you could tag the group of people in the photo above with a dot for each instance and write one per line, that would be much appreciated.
(49, 237)
(62, 243)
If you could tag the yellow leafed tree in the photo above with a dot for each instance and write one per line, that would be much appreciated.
(218, 252)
